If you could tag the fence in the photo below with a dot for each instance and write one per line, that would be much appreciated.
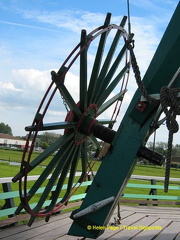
(131, 195)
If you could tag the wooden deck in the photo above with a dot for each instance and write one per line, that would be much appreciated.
(160, 223)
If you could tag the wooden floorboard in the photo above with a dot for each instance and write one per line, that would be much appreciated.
(155, 230)
(178, 237)
(137, 223)
(132, 230)
(170, 232)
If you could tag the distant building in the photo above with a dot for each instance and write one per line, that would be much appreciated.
(7, 140)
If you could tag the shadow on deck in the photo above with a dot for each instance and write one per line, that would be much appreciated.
(137, 223)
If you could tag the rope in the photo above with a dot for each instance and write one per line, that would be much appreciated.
(171, 108)
(138, 78)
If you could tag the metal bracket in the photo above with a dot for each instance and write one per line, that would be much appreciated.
(157, 95)
(94, 207)
(141, 106)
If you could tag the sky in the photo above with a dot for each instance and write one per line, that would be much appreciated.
(36, 37)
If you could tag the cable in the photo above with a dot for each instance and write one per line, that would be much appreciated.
(129, 20)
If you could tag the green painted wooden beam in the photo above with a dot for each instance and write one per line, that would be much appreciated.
(118, 164)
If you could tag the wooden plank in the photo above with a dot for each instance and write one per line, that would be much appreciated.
(14, 219)
(146, 196)
(178, 237)
(158, 202)
(125, 215)
(154, 177)
(56, 233)
(22, 217)
(153, 230)
(23, 228)
(9, 211)
(113, 230)
(68, 237)
(153, 209)
(59, 225)
(44, 229)
(170, 232)
(13, 194)
(35, 177)
(132, 230)
(30, 178)
(150, 186)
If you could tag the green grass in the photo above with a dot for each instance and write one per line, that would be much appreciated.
(16, 156)
(10, 155)
(151, 170)
(148, 170)
(7, 170)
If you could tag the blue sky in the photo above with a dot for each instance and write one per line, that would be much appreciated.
(37, 35)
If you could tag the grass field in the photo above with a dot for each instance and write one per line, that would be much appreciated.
(16, 156)
(7, 170)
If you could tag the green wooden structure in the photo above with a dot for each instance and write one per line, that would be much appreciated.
(151, 192)
(82, 123)
(118, 164)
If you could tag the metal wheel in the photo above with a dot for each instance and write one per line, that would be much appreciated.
(102, 82)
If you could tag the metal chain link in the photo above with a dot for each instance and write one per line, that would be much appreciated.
(64, 103)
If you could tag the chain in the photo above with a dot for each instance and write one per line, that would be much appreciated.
(55, 78)
(65, 103)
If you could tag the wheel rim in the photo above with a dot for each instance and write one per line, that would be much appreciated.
(94, 99)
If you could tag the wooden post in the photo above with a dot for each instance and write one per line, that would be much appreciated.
(9, 202)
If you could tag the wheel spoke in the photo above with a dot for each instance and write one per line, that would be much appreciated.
(107, 104)
(44, 175)
(61, 166)
(95, 142)
(83, 73)
(111, 87)
(52, 126)
(107, 79)
(44, 155)
(84, 160)
(105, 121)
(101, 78)
(71, 164)
(81, 121)
(69, 100)
(75, 158)
(97, 62)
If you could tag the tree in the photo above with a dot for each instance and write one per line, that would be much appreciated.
(176, 150)
(5, 128)
(44, 145)
(47, 138)
(160, 147)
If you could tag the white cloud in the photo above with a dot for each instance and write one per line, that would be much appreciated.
(32, 79)
(72, 20)
(26, 26)
(6, 87)
(23, 90)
